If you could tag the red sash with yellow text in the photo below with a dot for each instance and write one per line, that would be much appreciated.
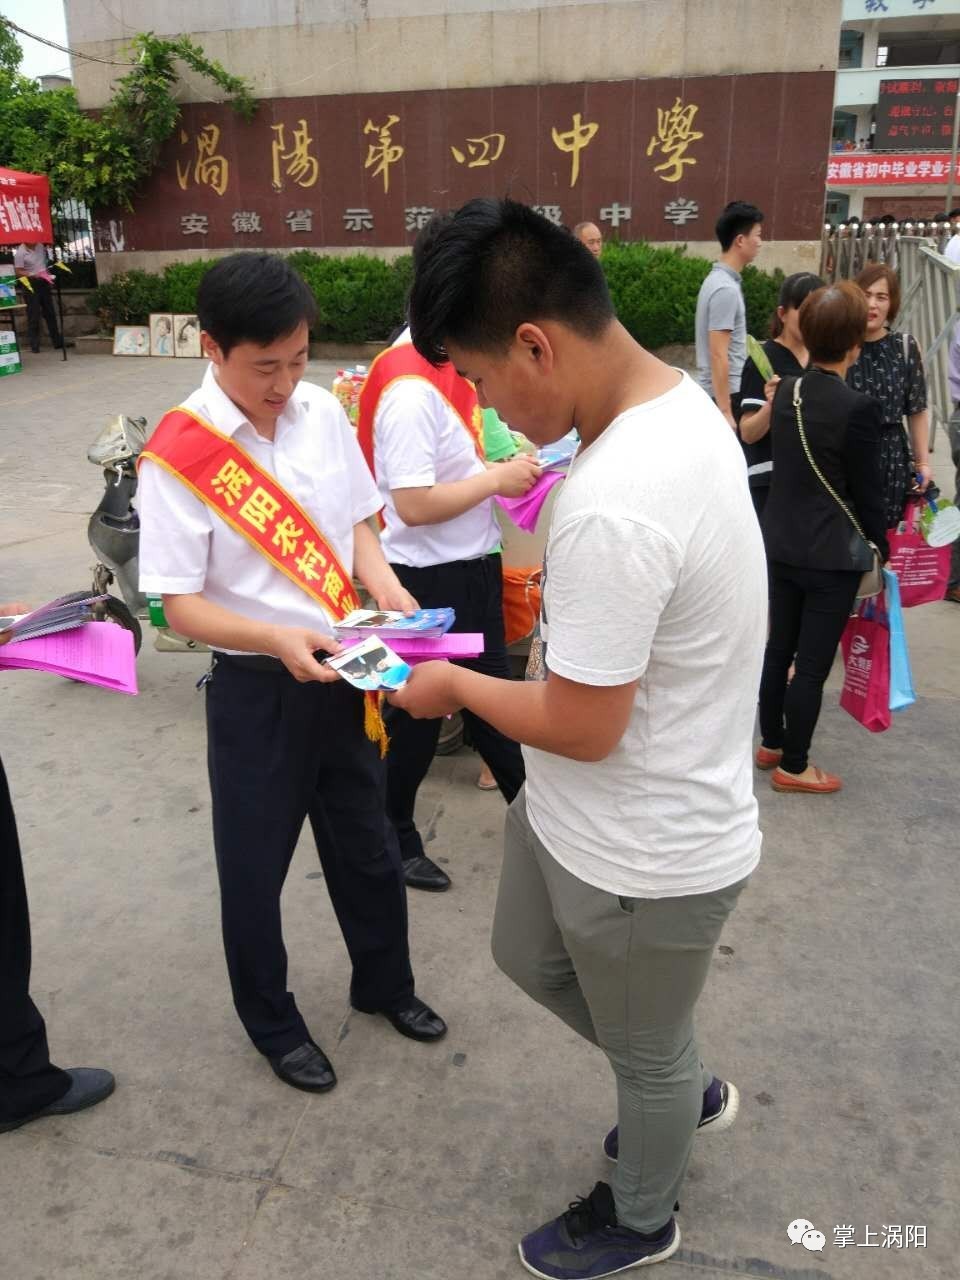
(404, 361)
(254, 504)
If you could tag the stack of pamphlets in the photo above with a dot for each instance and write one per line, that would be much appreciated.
(61, 614)
(425, 623)
(59, 638)
(99, 653)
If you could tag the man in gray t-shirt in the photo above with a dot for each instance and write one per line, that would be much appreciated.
(721, 323)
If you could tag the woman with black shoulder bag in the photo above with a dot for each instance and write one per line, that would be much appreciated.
(824, 529)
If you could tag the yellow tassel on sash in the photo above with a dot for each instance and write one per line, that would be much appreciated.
(373, 725)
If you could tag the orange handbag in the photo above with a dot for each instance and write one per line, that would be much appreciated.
(521, 601)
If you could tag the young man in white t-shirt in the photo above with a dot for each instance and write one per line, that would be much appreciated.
(637, 829)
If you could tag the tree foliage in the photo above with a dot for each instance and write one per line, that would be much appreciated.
(101, 158)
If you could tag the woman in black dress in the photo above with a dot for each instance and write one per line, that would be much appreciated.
(787, 353)
(825, 492)
(890, 369)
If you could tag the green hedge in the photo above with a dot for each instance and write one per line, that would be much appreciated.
(361, 299)
(655, 292)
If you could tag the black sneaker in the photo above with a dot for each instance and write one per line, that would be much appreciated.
(586, 1242)
(721, 1102)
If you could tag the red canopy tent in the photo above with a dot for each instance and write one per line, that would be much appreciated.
(24, 207)
(25, 218)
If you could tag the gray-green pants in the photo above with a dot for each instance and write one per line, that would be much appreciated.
(624, 973)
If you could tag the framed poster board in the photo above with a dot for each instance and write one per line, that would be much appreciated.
(161, 334)
(186, 335)
(131, 340)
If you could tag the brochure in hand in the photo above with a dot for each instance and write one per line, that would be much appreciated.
(371, 666)
(386, 622)
(61, 614)
(557, 456)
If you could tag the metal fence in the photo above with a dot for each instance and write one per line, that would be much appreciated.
(930, 287)
(73, 244)
(845, 250)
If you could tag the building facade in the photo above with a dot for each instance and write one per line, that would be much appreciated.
(645, 116)
(894, 111)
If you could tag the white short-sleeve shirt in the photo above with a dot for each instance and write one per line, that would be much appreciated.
(655, 572)
(185, 547)
(418, 441)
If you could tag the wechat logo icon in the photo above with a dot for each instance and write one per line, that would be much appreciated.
(802, 1231)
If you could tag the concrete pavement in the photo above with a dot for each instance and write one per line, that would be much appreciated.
(832, 1001)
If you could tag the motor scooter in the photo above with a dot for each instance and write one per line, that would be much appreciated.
(114, 535)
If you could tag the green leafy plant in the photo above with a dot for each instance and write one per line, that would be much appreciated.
(181, 281)
(363, 299)
(761, 290)
(129, 298)
(655, 292)
(359, 299)
(102, 158)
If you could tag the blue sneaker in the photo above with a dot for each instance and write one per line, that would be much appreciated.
(721, 1102)
(586, 1242)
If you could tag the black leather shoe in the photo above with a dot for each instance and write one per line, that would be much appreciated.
(416, 1020)
(307, 1067)
(423, 873)
(88, 1086)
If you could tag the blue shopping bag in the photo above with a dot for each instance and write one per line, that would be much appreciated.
(901, 678)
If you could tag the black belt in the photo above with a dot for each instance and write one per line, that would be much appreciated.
(250, 661)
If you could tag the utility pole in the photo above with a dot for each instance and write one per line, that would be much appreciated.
(951, 182)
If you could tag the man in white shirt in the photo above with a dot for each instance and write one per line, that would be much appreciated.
(30, 260)
(637, 828)
(286, 736)
(421, 432)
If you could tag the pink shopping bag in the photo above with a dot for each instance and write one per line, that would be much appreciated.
(865, 645)
(923, 571)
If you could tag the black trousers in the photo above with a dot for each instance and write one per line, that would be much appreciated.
(278, 752)
(808, 611)
(758, 496)
(474, 588)
(40, 303)
(759, 493)
(28, 1079)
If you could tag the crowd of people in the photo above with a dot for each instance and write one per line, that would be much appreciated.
(627, 762)
(836, 434)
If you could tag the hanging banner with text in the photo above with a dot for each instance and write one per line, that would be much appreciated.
(890, 171)
(24, 208)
